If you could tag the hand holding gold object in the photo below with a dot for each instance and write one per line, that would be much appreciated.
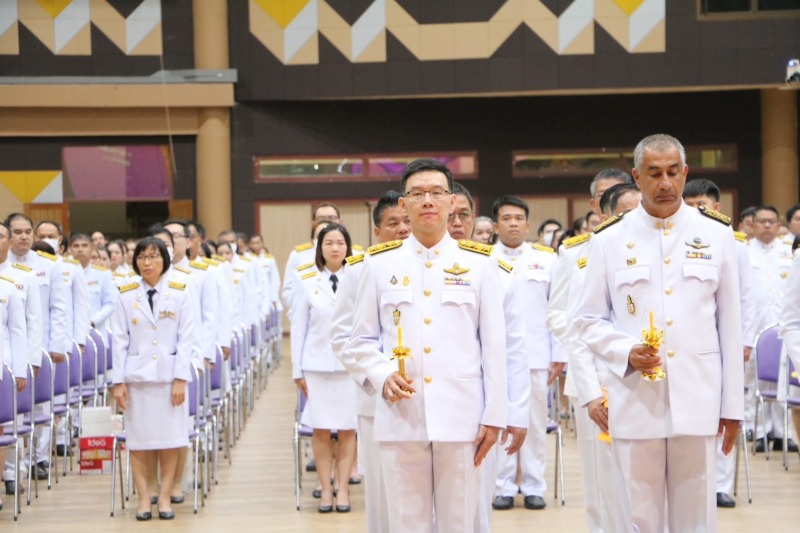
(654, 338)
(400, 352)
(604, 436)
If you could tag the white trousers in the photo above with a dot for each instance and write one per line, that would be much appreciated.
(669, 478)
(533, 454)
(488, 470)
(726, 466)
(596, 466)
(370, 467)
(426, 479)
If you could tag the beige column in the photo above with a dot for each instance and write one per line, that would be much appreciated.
(214, 135)
(779, 148)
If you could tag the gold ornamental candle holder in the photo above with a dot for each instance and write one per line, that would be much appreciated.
(400, 352)
(654, 338)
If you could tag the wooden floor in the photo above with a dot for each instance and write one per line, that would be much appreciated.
(256, 493)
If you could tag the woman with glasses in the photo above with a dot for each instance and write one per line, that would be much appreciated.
(153, 326)
(330, 390)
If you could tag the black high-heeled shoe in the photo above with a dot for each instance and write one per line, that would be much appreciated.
(144, 517)
(325, 508)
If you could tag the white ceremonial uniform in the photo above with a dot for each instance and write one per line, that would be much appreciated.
(519, 389)
(249, 281)
(14, 348)
(303, 254)
(770, 265)
(586, 378)
(273, 275)
(331, 391)
(102, 295)
(449, 298)
(207, 303)
(152, 348)
(185, 276)
(790, 315)
(533, 263)
(377, 514)
(685, 271)
(54, 325)
(726, 464)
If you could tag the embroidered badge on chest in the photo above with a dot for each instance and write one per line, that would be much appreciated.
(698, 244)
(456, 270)
(393, 281)
(166, 314)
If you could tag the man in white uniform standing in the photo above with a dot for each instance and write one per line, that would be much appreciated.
(441, 300)
(678, 265)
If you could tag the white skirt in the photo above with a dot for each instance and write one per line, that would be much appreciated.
(331, 400)
(151, 422)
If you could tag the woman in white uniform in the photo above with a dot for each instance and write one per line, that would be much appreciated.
(318, 373)
(153, 327)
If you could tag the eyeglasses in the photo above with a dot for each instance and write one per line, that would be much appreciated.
(765, 222)
(418, 195)
(151, 257)
(463, 216)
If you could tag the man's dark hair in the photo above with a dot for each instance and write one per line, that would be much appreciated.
(619, 191)
(515, 201)
(52, 223)
(747, 212)
(790, 213)
(159, 245)
(545, 223)
(333, 226)
(16, 216)
(608, 174)
(41, 246)
(325, 204)
(158, 229)
(605, 200)
(423, 164)
(463, 191)
(75, 237)
(390, 199)
(184, 224)
(768, 208)
(201, 230)
(701, 187)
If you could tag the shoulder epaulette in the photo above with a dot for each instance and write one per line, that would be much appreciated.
(304, 246)
(99, 267)
(132, 274)
(505, 266)
(51, 257)
(22, 267)
(477, 247)
(353, 259)
(118, 275)
(183, 269)
(308, 275)
(577, 239)
(358, 248)
(269, 256)
(610, 222)
(8, 279)
(542, 248)
(128, 287)
(213, 262)
(790, 242)
(382, 247)
(175, 285)
(198, 264)
(216, 257)
(305, 266)
(71, 261)
(719, 217)
(742, 237)
(582, 262)
(244, 258)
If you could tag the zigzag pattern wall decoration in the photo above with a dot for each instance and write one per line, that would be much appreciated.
(290, 29)
(64, 26)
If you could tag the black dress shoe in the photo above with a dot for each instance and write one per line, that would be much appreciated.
(534, 502)
(723, 500)
(749, 435)
(354, 481)
(761, 445)
(503, 503)
(317, 493)
(791, 446)
(311, 466)
(325, 508)
(10, 488)
(41, 471)
(176, 499)
(166, 515)
(63, 451)
(144, 517)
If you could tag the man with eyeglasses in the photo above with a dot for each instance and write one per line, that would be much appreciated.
(770, 261)
(534, 263)
(440, 301)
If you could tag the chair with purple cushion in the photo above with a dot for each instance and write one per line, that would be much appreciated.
(198, 433)
(25, 431)
(767, 355)
(43, 388)
(218, 405)
(116, 459)
(90, 372)
(102, 364)
(8, 415)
